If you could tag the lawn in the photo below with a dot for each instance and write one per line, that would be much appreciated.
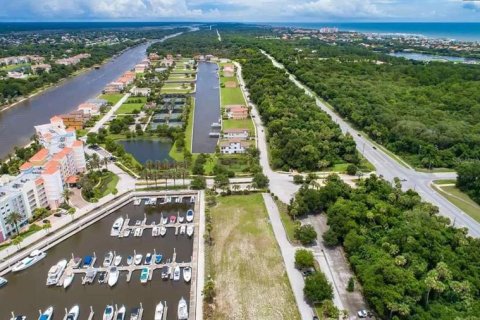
(113, 98)
(239, 124)
(460, 199)
(288, 223)
(107, 184)
(232, 96)
(246, 264)
(176, 88)
(11, 67)
(128, 108)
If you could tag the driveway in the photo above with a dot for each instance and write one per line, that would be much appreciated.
(77, 200)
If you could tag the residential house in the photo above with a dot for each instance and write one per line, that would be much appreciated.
(41, 67)
(242, 134)
(233, 146)
(237, 112)
(143, 92)
(76, 119)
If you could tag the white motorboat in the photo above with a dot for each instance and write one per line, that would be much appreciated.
(182, 312)
(159, 311)
(73, 313)
(47, 314)
(117, 261)
(56, 272)
(90, 275)
(187, 274)
(107, 261)
(181, 218)
(34, 257)
(117, 227)
(144, 275)
(68, 279)
(121, 313)
(148, 259)
(113, 275)
(183, 229)
(108, 313)
(138, 259)
(3, 282)
(126, 232)
(164, 220)
(170, 272)
(138, 232)
(189, 216)
(137, 201)
(190, 229)
(163, 231)
(129, 260)
(176, 273)
(156, 231)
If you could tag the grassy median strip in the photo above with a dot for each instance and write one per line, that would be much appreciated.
(459, 199)
(246, 264)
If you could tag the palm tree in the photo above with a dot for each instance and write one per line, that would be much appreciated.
(17, 241)
(47, 227)
(66, 195)
(105, 162)
(14, 218)
(144, 175)
(236, 187)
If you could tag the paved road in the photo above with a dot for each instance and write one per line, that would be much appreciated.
(109, 114)
(390, 168)
(288, 254)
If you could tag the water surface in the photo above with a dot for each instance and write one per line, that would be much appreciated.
(144, 150)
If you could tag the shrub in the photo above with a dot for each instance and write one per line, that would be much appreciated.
(351, 284)
(304, 259)
(298, 179)
(306, 234)
(352, 169)
(317, 288)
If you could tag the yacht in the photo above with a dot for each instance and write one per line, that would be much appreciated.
(182, 309)
(189, 216)
(56, 272)
(117, 227)
(107, 261)
(187, 274)
(121, 313)
(68, 279)
(3, 282)
(183, 229)
(47, 314)
(29, 261)
(113, 275)
(108, 313)
(176, 273)
(117, 261)
(190, 230)
(138, 259)
(73, 313)
(148, 258)
(144, 275)
(163, 231)
(159, 311)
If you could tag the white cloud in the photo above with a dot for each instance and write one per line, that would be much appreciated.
(338, 8)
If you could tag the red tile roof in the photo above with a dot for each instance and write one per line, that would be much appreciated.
(41, 155)
(27, 165)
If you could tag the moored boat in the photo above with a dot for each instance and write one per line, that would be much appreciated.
(190, 229)
(68, 279)
(182, 312)
(155, 231)
(117, 261)
(107, 261)
(138, 259)
(187, 274)
(56, 272)
(165, 272)
(19, 317)
(126, 232)
(183, 229)
(47, 314)
(87, 261)
(176, 273)
(159, 311)
(181, 218)
(129, 260)
(135, 313)
(148, 258)
(90, 275)
(117, 227)
(113, 275)
(173, 219)
(158, 258)
(138, 232)
(33, 257)
(144, 275)
(73, 313)
(189, 215)
(164, 220)
(108, 313)
(163, 231)
(121, 313)
(77, 261)
(102, 277)
(3, 282)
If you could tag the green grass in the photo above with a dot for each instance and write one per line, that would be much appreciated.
(288, 223)
(113, 98)
(232, 96)
(445, 181)
(14, 66)
(81, 132)
(107, 184)
(435, 170)
(189, 129)
(244, 245)
(128, 108)
(461, 200)
(239, 124)
(211, 162)
(175, 88)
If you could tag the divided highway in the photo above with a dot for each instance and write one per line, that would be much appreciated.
(389, 168)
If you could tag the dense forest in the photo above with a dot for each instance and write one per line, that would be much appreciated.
(410, 262)
(300, 135)
(429, 113)
(468, 179)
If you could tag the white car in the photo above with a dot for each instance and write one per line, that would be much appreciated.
(362, 313)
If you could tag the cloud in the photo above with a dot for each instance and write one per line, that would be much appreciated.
(471, 5)
(338, 8)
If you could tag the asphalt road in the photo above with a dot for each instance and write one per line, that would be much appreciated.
(389, 168)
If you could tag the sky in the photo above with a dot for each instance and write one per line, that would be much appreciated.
(242, 10)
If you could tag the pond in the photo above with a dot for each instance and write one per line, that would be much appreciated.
(430, 57)
(148, 149)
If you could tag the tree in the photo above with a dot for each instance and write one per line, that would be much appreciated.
(352, 169)
(209, 290)
(260, 181)
(47, 226)
(298, 179)
(351, 284)
(306, 234)
(14, 218)
(304, 258)
(71, 212)
(198, 183)
(17, 241)
(66, 195)
(221, 181)
(317, 288)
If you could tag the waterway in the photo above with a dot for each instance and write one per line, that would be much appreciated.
(144, 150)
(430, 57)
(26, 291)
(207, 108)
(16, 123)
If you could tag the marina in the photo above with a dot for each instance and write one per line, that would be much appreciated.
(171, 256)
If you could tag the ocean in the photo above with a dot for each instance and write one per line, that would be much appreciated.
(448, 30)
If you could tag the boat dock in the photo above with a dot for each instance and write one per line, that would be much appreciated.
(143, 225)
(90, 316)
(172, 263)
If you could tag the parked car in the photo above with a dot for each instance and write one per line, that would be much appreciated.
(57, 214)
(374, 148)
(94, 147)
(307, 271)
(362, 313)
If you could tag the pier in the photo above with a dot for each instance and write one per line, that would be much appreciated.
(143, 225)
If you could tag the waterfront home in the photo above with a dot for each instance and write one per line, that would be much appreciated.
(44, 67)
(229, 67)
(89, 108)
(233, 146)
(153, 56)
(72, 60)
(141, 67)
(16, 75)
(142, 92)
(236, 112)
(75, 119)
(242, 134)
(114, 87)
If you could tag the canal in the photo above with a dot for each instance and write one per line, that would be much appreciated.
(207, 108)
(16, 123)
(26, 291)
